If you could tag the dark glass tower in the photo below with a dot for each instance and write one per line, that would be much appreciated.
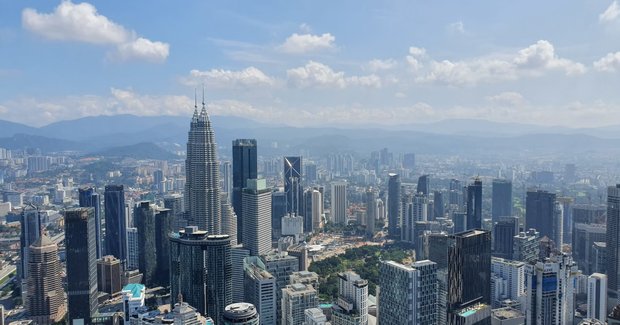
(474, 205)
(501, 199)
(613, 244)
(469, 270)
(394, 205)
(201, 270)
(278, 211)
(244, 168)
(504, 231)
(115, 222)
(438, 205)
(292, 184)
(424, 184)
(89, 198)
(539, 207)
(153, 225)
(30, 223)
(202, 187)
(81, 247)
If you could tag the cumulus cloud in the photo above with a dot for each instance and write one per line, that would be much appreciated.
(532, 61)
(306, 43)
(608, 63)
(315, 74)
(379, 65)
(610, 14)
(219, 78)
(82, 23)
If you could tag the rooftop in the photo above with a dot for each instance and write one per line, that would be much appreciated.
(136, 289)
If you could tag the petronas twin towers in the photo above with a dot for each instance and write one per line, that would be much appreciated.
(202, 191)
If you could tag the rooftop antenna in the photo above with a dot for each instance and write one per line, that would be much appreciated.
(203, 95)
(195, 99)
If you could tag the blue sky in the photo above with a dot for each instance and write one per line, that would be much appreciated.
(308, 63)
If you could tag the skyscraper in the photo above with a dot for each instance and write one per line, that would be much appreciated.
(115, 222)
(256, 199)
(201, 270)
(278, 211)
(144, 219)
(408, 294)
(424, 184)
(597, 297)
(339, 203)
(229, 219)
(526, 247)
(504, 231)
(296, 298)
(474, 205)
(241, 314)
(469, 263)
(80, 238)
(501, 204)
(89, 197)
(507, 281)
(394, 205)
(281, 266)
(539, 213)
(371, 211)
(438, 205)
(202, 186)
(46, 296)
(244, 152)
(30, 223)
(260, 288)
(613, 244)
(292, 184)
(174, 202)
(352, 305)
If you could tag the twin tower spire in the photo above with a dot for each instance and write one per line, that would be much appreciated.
(202, 116)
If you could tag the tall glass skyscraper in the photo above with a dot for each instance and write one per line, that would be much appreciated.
(80, 242)
(30, 231)
(292, 184)
(202, 187)
(90, 198)
(394, 205)
(474, 205)
(115, 222)
(613, 244)
(539, 213)
(244, 168)
(501, 204)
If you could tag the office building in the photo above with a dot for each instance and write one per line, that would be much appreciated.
(501, 204)
(526, 246)
(394, 205)
(474, 205)
(241, 314)
(202, 176)
(281, 266)
(193, 254)
(133, 296)
(310, 173)
(567, 218)
(293, 184)
(507, 281)
(584, 237)
(408, 294)
(351, 307)
(296, 298)
(540, 213)
(278, 211)
(109, 273)
(144, 219)
(438, 205)
(260, 290)
(174, 203)
(436, 248)
(244, 155)
(30, 224)
(133, 251)
(116, 222)
(293, 226)
(339, 203)
(597, 297)
(88, 197)
(238, 254)
(46, 296)
(256, 199)
(316, 210)
(229, 219)
(504, 231)
(371, 211)
(81, 251)
(550, 291)
(613, 244)
(424, 185)
(469, 262)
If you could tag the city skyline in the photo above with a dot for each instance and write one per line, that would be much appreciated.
(308, 69)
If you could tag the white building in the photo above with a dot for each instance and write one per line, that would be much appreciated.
(133, 299)
(597, 297)
(260, 290)
(551, 291)
(352, 305)
(296, 298)
(315, 316)
(256, 201)
(293, 225)
(507, 281)
(317, 209)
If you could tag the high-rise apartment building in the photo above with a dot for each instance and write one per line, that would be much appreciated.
(46, 296)
(293, 184)
(260, 290)
(202, 174)
(256, 209)
(245, 154)
(474, 205)
(115, 222)
(81, 250)
(501, 202)
(352, 305)
(408, 294)
(507, 281)
(339, 202)
(296, 298)
(597, 297)
(133, 250)
(281, 266)
(394, 205)
(88, 197)
(526, 247)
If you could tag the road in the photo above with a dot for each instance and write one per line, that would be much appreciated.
(8, 269)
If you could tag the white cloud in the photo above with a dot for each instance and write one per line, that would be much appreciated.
(610, 14)
(608, 63)
(306, 43)
(509, 98)
(533, 61)
(315, 74)
(456, 27)
(305, 28)
(378, 65)
(219, 78)
(82, 23)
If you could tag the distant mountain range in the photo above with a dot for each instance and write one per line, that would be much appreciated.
(124, 135)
